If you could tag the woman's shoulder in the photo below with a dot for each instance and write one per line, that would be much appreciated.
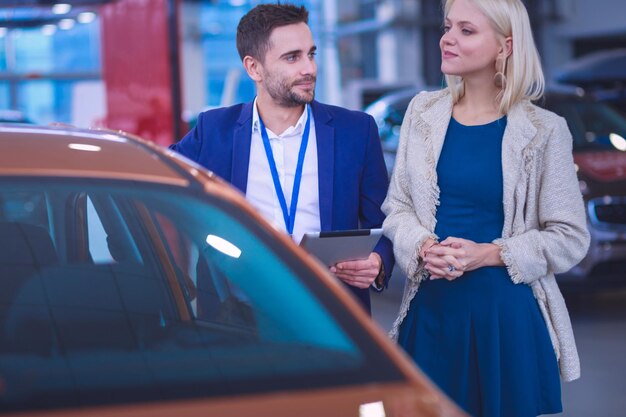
(541, 118)
(542, 127)
(426, 98)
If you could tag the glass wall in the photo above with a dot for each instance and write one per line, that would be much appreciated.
(4, 95)
(209, 55)
(221, 60)
(46, 68)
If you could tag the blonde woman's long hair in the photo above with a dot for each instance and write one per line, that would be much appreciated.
(524, 76)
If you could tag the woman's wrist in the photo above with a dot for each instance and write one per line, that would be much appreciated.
(425, 246)
(491, 254)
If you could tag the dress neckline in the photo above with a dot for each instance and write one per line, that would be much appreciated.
(497, 121)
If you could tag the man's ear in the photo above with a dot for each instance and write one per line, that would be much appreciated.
(253, 68)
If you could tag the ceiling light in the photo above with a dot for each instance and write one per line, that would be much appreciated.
(48, 30)
(66, 24)
(86, 17)
(61, 8)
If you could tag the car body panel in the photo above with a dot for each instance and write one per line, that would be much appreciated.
(98, 151)
(398, 399)
(131, 163)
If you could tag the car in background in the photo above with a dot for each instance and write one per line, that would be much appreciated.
(601, 73)
(14, 116)
(599, 135)
(134, 282)
(388, 112)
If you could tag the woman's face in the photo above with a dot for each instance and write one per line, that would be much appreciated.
(469, 45)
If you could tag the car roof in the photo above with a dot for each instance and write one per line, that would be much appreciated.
(82, 153)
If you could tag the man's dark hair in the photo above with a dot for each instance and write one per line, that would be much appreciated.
(256, 26)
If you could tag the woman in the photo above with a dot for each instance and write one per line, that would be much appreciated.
(483, 209)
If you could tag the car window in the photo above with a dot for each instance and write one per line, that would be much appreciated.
(98, 247)
(120, 294)
(24, 206)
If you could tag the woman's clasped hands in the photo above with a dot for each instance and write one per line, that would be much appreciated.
(454, 256)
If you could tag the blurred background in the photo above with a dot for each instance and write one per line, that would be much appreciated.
(150, 66)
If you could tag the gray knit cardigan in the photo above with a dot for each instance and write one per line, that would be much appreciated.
(545, 228)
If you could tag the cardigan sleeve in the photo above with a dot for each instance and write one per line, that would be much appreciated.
(562, 238)
(402, 225)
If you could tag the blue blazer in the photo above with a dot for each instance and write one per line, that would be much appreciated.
(352, 175)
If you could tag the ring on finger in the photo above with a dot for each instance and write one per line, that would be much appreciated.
(451, 268)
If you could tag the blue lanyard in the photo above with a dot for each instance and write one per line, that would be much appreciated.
(288, 216)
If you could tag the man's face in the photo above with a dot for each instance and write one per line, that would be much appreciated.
(289, 70)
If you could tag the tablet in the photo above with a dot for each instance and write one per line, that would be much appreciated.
(343, 245)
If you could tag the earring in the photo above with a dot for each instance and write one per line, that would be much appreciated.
(500, 78)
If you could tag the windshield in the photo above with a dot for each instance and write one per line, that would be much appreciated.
(111, 293)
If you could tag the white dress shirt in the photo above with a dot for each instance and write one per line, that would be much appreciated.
(260, 190)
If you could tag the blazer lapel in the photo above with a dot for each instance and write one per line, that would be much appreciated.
(241, 148)
(325, 137)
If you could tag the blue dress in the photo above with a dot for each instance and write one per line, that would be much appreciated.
(481, 338)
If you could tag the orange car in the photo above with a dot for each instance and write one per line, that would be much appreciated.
(135, 283)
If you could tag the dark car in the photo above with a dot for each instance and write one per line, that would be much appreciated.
(599, 135)
(133, 282)
(601, 73)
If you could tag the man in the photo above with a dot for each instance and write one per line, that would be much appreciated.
(304, 165)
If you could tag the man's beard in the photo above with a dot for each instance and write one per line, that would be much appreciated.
(284, 94)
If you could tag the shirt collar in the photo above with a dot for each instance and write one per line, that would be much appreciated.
(290, 131)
